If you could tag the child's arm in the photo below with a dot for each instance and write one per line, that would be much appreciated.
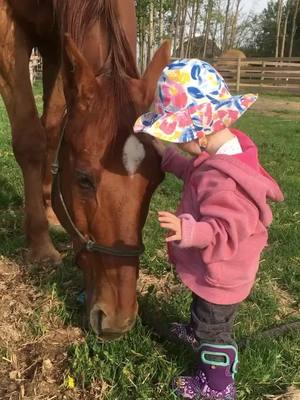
(227, 218)
(172, 160)
(175, 163)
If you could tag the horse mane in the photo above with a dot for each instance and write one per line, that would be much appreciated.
(76, 17)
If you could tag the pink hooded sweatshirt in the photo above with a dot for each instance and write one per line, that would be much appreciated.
(225, 216)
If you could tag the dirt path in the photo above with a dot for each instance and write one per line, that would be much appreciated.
(33, 351)
(34, 341)
(285, 107)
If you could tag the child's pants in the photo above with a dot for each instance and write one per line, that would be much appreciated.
(212, 323)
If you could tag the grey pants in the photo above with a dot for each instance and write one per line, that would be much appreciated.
(212, 323)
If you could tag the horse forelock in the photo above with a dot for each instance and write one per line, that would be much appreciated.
(77, 17)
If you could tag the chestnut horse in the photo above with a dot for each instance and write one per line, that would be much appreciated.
(104, 176)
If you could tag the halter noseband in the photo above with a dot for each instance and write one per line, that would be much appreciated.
(88, 244)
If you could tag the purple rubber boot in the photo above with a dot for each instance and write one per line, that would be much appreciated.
(185, 333)
(215, 377)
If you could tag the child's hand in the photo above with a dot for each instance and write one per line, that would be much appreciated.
(159, 146)
(171, 222)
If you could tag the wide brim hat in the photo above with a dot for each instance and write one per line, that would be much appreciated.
(192, 100)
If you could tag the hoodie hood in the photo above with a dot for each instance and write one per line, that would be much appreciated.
(246, 171)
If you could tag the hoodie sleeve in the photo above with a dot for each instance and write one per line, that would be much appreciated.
(227, 219)
(175, 163)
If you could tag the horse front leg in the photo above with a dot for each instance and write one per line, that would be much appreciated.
(53, 113)
(29, 139)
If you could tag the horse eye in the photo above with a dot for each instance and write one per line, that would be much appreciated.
(85, 182)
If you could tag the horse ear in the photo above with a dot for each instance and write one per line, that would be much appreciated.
(143, 90)
(80, 75)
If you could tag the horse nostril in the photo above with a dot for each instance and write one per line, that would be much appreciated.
(109, 327)
(96, 318)
(130, 323)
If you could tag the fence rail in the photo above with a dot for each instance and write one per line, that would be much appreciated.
(35, 67)
(260, 74)
(257, 74)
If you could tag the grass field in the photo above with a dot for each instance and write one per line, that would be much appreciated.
(46, 350)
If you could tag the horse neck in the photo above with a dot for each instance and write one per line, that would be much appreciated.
(97, 27)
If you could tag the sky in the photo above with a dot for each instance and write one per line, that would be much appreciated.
(254, 5)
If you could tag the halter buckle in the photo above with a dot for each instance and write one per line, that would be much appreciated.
(89, 245)
(54, 168)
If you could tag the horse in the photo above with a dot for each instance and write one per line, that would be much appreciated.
(104, 176)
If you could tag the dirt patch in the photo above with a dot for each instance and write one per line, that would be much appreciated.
(292, 394)
(278, 107)
(288, 307)
(36, 369)
(34, 341)
(33, 365)
(164, 286)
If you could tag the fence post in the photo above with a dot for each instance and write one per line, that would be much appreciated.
(238, 74)
(262, 72)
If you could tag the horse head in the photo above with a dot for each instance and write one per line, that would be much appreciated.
(106, 179)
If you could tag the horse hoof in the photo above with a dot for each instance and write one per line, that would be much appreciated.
(52, 218)
(49, 257)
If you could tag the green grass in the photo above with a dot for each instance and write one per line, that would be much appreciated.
(276, 95)
(141, 365)
(283, 96)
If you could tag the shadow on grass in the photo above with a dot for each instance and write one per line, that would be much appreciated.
(8, 194)
(63, 282)
(156, 315)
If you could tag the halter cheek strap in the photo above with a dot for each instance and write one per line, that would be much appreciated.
(87, 244)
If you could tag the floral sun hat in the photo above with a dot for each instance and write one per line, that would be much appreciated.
(192, 100)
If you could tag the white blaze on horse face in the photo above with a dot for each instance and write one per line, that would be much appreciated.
(133, 154)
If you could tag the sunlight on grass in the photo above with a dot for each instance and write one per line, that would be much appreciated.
(142, 365)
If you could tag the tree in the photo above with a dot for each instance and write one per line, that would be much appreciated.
(263, 42)
(263, 36)
(234, 25)
(151, 32)
(211, 25)
(278, 25)
(287, 10)
(209, 10)
(183, 19)
(294, 26)
(176, 25)
(225, 34)
(192, 27)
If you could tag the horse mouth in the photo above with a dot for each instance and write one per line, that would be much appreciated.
(106, 331)
(111, 336)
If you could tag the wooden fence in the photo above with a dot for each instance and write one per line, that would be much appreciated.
(35, 67)
(260, 74)
(255, 74)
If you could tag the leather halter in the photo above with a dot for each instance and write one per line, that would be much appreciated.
(87, 244)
